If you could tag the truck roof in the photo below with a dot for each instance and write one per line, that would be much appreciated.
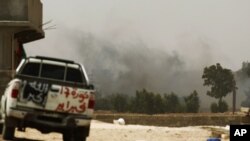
(53, 59)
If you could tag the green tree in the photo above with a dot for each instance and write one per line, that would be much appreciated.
(158, 104)
(192, 102)
(221, 80)
(220, 107)
(139, 102)
(103, 102)
(172, 103)
(214, 108)
(147, 102)
(119, 102)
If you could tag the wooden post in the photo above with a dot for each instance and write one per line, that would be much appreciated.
(234, 100)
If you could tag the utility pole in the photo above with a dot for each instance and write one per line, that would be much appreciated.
(234, 100)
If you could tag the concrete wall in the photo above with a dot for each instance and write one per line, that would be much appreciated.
(13, 15)
(22, 10)
(5, 51)
(5, 59)
(20, 22)
(35, 12)
(16, 10)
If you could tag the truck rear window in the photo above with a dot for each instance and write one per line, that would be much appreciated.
(53, 71)
(56, 72)
(31, 69)
(74, 75)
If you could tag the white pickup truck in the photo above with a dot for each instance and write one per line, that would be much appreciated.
(51, 95)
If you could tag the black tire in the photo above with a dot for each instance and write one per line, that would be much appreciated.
(8, 132)
(1, 127)
(67, 136)
(74, 136)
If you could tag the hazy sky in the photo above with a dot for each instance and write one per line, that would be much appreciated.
(201, 31)
(161, 45)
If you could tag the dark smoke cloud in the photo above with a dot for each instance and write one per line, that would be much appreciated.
(125, 67)
(243, 85)
(129, 66)
(188, 36)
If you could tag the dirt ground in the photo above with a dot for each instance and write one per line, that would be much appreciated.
(101, 131)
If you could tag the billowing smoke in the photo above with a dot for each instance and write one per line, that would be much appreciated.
(131, 66)
(162, 46)
(243, 85)
(124, 67)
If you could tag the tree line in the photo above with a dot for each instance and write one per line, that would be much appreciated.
(147, 102)
(220, 80)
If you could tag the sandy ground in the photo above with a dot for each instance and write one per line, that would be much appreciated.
(104, 131)
(110, 132)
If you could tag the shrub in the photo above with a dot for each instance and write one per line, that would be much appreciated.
(222, 106)
(192, 102)
(214, 107)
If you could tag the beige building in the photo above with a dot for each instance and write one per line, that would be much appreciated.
(20, 22)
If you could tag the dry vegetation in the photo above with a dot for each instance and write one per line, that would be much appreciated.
(176, 119)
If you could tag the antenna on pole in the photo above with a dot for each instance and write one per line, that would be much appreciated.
(234, 100)
(49, 27)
